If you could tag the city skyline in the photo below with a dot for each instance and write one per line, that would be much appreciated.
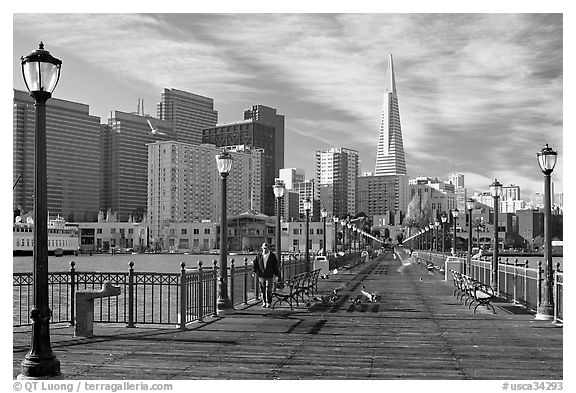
(496, 76)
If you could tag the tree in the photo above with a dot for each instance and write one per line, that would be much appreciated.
(418, 214)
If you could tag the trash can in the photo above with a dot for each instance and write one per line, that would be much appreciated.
(322, 263)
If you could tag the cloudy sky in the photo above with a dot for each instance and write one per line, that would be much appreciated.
(479, 94)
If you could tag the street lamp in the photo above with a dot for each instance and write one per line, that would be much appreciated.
(223, 304)
(278, 193)
(470, 204)
(436, 224)
(350, 244)
(495, 191)
(307, 207)
(335, 219)
(547, 161)
(41, 72)
(443, 218)
(454, 217)
(324, 213)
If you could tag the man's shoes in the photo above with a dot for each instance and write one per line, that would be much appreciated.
(264, 305)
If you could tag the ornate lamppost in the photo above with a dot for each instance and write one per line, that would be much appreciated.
(455, 213)
(495, 191)
(41, 72)
(335, 219)
(547, 161)
(278, 193)
(223, 303)
(443, 219)
(436, 225)
(324, 214)
(307, 207)
(470, 204)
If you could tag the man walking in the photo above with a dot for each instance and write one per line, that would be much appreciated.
(266, 266)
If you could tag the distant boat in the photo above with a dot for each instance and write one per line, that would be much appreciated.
(62, 237)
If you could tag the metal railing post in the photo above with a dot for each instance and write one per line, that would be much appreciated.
(515, 279)
(215, 287)
(231, 283)
(526, 281)
(505, 277)
(539, 283)
(130, 295)
(200, 293)
(72, 293)
(245, 281)
(183, 293)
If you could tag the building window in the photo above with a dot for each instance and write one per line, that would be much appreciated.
(207, 231)
(99, 230)
(184, 231)
(113, 230)
(196, 231)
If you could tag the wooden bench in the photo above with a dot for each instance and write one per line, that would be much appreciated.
(470, 290)
(299, 287)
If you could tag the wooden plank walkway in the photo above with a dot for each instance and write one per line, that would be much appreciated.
(417, 330)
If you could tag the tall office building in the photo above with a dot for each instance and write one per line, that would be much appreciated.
(337, 171)
(291, 176)
(255, 134)
(378, 195)
(268, 116)
(390, 155)
(189, 114)
(125, 162)
(439, 195)
(184, 184)
(73, 157)
(511, 192)
(457, 179)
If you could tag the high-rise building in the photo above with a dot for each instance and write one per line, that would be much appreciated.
(253, 134)
(73, 157)
(457, 179)
(306, 190)
(125, 162)
(380, 194)
(268, 116)
(390, 155)
(337, 171)
(511, 192)
(291, 176)
(184, 184)
(189, 114)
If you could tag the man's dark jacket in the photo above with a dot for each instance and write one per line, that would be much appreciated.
(272, 268)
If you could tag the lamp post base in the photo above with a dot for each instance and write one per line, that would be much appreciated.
(224, 307)
(545, 313)
(40, 369)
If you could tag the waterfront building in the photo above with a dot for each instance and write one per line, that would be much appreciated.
(390, 155)
(268, 116)
(294, 237)
(73, 157)
(254, 134)
(189, 114)
(337, 171)
(125, 162)
(378, 195)
(184, 184)
(105, 235)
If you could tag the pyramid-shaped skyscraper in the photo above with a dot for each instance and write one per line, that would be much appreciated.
(390, 156)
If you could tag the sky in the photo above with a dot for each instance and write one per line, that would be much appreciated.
(479, 94)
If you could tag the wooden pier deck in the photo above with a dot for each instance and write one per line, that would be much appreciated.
(417, 330)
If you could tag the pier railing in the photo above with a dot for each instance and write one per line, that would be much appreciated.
(517, 281)
(149, 297)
